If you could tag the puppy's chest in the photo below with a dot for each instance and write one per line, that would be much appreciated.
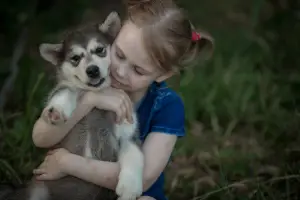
(93, 136)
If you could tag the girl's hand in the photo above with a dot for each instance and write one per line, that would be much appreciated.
(112, 99)
(51, 168)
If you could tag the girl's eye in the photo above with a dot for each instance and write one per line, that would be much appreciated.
(139, 73)
(121, 57)
(100, 51)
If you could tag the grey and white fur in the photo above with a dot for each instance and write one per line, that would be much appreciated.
(83, 61)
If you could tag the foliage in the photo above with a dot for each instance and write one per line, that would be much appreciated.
(241, 105)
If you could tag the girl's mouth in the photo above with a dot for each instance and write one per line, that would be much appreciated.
(115, 82)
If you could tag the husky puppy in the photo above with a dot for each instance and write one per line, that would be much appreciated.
(83, 61)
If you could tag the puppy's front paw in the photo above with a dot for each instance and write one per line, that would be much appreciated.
(130, 185)
(54, 116)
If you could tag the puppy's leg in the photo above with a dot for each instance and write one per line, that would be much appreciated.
(130, 185)
(60, 106)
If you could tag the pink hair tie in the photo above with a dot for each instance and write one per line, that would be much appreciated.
(195, 36)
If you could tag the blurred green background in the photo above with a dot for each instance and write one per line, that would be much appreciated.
(242, 115)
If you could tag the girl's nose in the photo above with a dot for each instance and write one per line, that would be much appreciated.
(121, 70)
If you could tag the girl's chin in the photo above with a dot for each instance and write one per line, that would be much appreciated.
(118, 86)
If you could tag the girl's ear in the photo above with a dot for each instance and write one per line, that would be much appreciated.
(111, 25)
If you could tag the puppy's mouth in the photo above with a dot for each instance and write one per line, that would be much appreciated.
(96, 83)
(93, 82)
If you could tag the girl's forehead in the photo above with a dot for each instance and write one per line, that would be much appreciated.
(130, 42)
(130, 35)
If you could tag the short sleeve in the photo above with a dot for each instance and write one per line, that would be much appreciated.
(170, 118)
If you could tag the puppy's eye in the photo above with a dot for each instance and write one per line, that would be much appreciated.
(100, 51)
(76, 59)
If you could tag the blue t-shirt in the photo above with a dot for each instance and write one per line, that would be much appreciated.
(161, 110)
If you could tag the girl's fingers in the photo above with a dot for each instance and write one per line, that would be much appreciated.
(43, 177)
(123, 112)
(42, 165)
(118, 115)
(38, 171)
(46, 159)
(129, 109)
(128, 106)
(125, 107)
(50, 152)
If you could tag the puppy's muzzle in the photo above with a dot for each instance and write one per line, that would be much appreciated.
(93, 71)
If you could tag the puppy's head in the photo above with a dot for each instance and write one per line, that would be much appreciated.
(83, 57)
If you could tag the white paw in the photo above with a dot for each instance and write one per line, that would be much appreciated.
(126, 129)
(130, 185)
(54, 115)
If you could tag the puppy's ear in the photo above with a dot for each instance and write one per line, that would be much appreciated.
(50, 52)
(111, 25)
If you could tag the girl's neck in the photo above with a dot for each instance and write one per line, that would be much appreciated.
(137, 96)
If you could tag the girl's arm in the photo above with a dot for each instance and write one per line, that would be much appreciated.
(46, 135)
(157, 150)
(167, 126)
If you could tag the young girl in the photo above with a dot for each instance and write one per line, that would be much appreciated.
(155, 42)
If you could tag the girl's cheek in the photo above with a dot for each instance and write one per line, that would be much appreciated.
(134, 81)
(130, 81)
(114, 63)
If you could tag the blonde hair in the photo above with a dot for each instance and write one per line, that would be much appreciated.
(167, 33)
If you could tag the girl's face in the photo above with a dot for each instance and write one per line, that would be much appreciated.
(131, 69)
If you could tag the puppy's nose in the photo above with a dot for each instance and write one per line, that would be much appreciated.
(93, 71)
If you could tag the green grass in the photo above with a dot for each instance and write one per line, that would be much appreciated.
(241, 113)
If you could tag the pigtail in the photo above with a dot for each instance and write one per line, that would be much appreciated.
(203, 46)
